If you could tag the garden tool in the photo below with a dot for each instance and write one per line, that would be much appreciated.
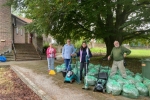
(86, 86)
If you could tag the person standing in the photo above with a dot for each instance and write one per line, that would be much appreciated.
(118, 54)
(83, 53)
(67, 52)
(51, 56)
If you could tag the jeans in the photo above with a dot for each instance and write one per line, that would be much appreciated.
(83, 66)
(50, 63)
(67, 64)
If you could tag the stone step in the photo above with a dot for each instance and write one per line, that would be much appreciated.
(26, 52)
(24, 59)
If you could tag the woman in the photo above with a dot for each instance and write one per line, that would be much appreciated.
(84, 53)
(51, 55)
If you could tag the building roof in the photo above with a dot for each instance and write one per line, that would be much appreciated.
(26, 20)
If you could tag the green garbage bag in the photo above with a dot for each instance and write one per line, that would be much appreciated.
(122, 81)
(131, 79)
(116, 77)
(138, 77)
(90, 80)
(97, 67)
(63, 64)
(60, 68)
(113, 87)
(130, 73)
(73, 66)
(146, 82)
(104, 70)
(90, 66)
(129, 90)
(143, 90)
(105, 67)
(75, 70)
(93, 72)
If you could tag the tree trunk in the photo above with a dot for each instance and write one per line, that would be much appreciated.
(109, 41)
(109, 45)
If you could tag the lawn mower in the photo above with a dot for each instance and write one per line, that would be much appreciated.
(101, 82)
(69, 76)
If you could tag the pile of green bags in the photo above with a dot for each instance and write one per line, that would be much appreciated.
(133, 86)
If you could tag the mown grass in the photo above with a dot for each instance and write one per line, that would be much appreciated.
(135, 53)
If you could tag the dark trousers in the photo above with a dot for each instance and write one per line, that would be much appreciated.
(83, 66)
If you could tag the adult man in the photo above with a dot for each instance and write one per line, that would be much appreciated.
(67, 52)
(118, 54)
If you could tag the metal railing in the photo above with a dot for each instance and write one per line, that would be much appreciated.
(38, 50)
(14, 51)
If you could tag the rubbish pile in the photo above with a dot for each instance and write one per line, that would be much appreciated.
(133, 86)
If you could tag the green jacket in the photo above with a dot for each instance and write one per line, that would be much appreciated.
(117, 53)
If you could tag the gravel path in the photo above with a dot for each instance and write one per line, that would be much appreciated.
(54, 91)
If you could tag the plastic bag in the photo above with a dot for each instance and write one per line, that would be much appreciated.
(116, 77)
(113, 87)
(3, 59)
(146, 82)
(90, 80)
(105, 67)
(75, 70)
(138, 77)
(131, 79)
(90, 66)
(93, 72)
(60, 68)
(104, 70)
(143, 90)
(130, 91)
(73, 66)
(122, 81)
(130, 73)
(97, 67)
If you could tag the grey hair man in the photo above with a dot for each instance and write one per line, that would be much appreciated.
(118, 54)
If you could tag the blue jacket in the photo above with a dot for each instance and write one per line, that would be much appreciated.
(67, 51)
(83, 53)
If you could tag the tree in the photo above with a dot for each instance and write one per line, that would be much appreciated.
(109, 19)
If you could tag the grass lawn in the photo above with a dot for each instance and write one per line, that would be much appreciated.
(135, 53)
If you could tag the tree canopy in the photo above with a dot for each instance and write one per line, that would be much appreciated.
(100, 19)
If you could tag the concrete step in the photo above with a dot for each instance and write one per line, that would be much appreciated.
(26, 52)
(10, 56)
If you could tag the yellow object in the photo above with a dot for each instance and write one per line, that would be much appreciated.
(52, 72)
